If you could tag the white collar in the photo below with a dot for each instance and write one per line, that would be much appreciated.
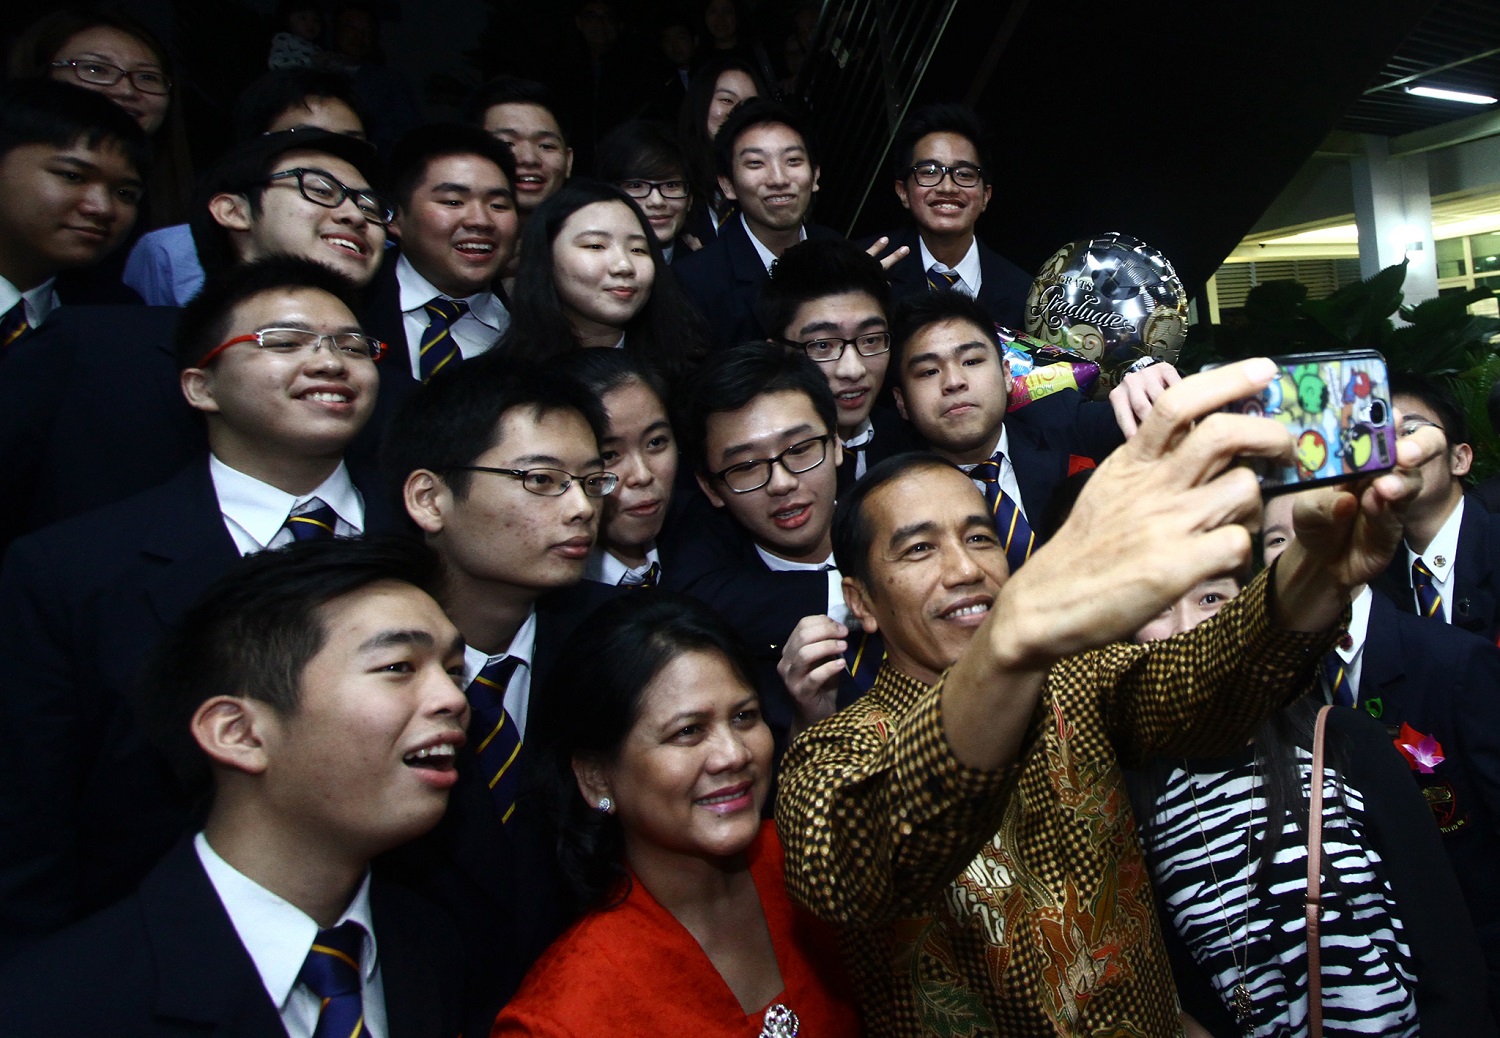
(1002, 446)
(968, 267)
(1443, 551)
(261, 509)
(863, 436)
(417, 292)
(766, 255)
(604, 568)
(40, 301)
(1359, 626)
(522, 647)
(779, 565)
(277, 934)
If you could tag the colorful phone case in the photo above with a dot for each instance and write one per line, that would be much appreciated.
(1337, 407)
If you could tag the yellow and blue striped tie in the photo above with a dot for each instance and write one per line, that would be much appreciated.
(1429, 600)
(1015, 533)
(331, 971)
(312, 524)
(497, 740)
(439, 349)
(13, 325)
(940, 280)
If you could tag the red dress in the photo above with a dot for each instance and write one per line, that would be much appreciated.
(635, 970)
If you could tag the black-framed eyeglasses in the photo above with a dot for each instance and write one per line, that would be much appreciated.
(291, 342)
(322, 188)
(930, 174)
(552, 482)
(643, 188)
(102, 73)
(802, 456)
(826, 351)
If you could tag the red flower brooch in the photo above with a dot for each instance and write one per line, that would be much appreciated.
(1422, 752)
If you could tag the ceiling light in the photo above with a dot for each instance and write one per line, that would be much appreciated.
(1451, 95)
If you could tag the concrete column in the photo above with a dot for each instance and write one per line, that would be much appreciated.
(1393, 212)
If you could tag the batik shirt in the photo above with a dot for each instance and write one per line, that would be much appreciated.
(1015, 901)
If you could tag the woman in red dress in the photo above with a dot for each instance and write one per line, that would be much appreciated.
(688, 927)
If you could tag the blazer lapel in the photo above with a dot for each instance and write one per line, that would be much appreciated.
(1473, 606)
(205, 974)
(1038, 472)
(190, 546)
(1381, 661)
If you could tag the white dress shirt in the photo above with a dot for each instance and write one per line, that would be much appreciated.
(1007, 473)
(836, 607)
(969, 276)
(604, 568)
(518, 691)
(40, 301)
(766, 255)
(1440, 557)
(475, 332)
(278, 935)
(1359, 627)
(256, 512)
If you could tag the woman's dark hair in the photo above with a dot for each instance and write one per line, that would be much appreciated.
(604, 371)
(666, 331)
(692, 125)
(170, 186)
(639, 150)
(602, 672)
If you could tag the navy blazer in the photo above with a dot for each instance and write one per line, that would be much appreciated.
(167, 961)
(1003, 286)
(1445, 682)
(91, 411)
(86, 803)
(1476, 574)
(723, 281)
(501, 883)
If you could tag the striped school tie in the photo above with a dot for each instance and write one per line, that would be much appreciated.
(313, 524)
(1337, 679)
(498, 739)
(940, 280)
(13, 325)
(650, 578)
(1015, 533)
(439, 348)
(1429, 601)
(331, 972)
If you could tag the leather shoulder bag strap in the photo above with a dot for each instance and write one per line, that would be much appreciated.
(1314, 862)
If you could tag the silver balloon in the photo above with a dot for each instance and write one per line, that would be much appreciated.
(1112, 300)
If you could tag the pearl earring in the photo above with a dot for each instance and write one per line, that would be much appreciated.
(606, 805)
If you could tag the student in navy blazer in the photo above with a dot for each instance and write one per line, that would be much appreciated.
(1441, 681)
(953, 385)
(309, 698)
(768, 166)
(84, 602)
(830, 299)
(500, 469)
(1447, 531)
(936, 147)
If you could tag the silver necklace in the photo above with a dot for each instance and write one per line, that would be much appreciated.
(1240, 955)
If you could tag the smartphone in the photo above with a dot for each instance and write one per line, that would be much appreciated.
(1337, 406)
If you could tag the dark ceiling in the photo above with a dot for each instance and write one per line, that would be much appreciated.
(1175, 123)
(1456, 47)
